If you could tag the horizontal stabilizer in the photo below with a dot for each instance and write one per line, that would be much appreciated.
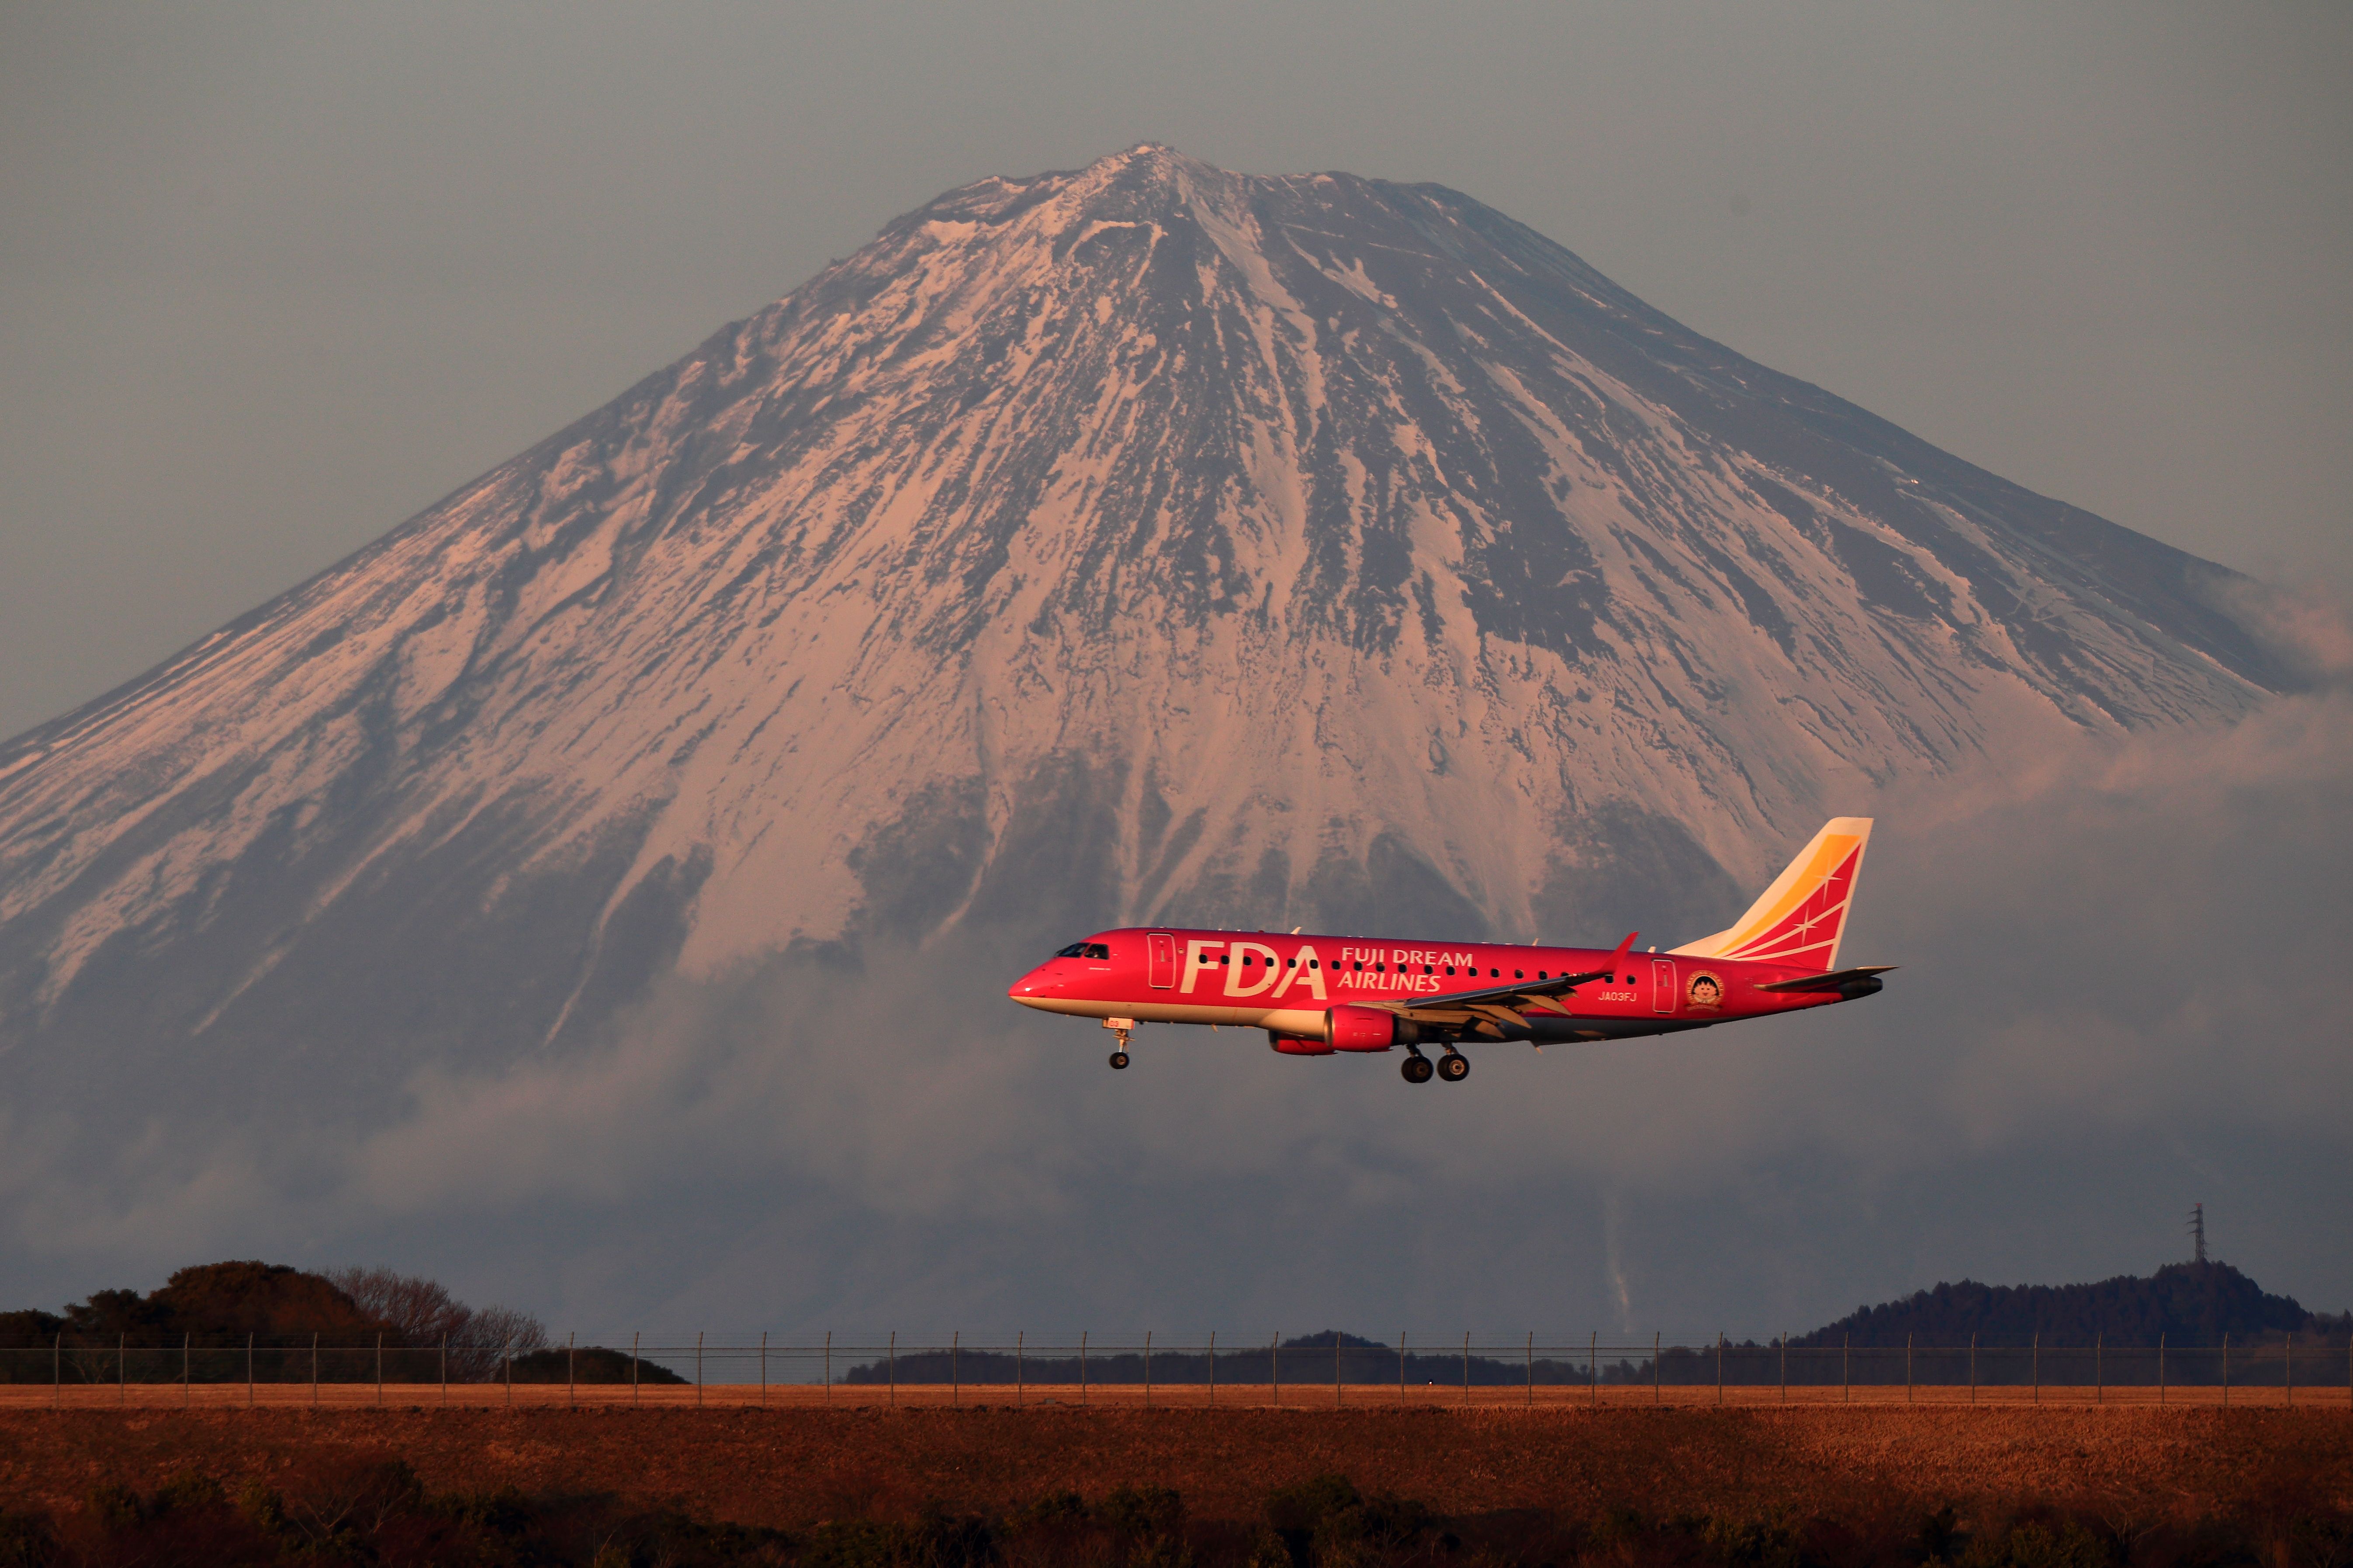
(1863, 980)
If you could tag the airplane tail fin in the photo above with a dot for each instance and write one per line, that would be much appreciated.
(1800, 917)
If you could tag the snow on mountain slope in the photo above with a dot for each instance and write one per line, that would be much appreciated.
(1144, 541)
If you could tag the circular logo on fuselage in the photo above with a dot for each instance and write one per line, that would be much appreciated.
(1705, 992)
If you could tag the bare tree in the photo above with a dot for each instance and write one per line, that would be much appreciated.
(494, 1333)
(424, 1312)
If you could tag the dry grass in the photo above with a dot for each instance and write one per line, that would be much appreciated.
(791, 1467)
(1300, 1396)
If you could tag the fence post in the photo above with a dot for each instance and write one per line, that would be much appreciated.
(315, 1370)
(445, 1369)
(122, 1369)
(2038, 1369)
(2160, 1368)
(2100, 1367)
(571, 1358)
(829, 1366)
(1973, 1369)
(1274, 1366)
(2226, 1372)
(1466, 1371)
(1148, 1369)
(1593, 1370)
(1654, 1366)
(1907, 1369)
(2291, 1370)
(764, 1369)
(57, 1370)
(506, 1365)
(1785, 1366)
(1082, 1367)
(1401, 1366)
(633, 1363)
(697, 1373)
(1846, 1369)
(1719, 1368)
(248, 1370)
(379, 1371)
(1021, 1373)
(1335, 1369)
(187, 1384)
(1213, 1368)
(894, 1367)
(1531, 1369)
(956, 1375)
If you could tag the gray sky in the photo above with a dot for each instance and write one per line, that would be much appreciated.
(274, 278)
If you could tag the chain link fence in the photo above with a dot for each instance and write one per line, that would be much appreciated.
(1320, 1370)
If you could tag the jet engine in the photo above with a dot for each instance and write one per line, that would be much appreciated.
(1350, 1028)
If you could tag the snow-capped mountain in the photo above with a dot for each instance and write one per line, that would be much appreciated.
(1144, 540)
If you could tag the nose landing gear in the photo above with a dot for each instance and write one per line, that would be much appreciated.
(1120, 1028)
(1453, 1067)
(1416, 1067)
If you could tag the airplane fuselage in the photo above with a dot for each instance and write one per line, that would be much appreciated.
(1290, 984)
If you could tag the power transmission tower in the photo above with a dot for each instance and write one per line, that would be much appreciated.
(2198, 1230)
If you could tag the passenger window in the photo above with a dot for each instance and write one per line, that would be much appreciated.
(1450, 969)
(1225, 958)
(1494, 974)
(1542, 975)
(1519, 974)
(1290, 963)
(1425, 969)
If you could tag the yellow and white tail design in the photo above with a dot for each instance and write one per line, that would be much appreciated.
(1800, 917)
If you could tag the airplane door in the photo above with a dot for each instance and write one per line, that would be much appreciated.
(1160, 952)
(1663, 986)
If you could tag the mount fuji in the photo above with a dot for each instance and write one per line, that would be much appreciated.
(1148, 541)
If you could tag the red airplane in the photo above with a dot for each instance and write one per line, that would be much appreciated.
(1316, 995)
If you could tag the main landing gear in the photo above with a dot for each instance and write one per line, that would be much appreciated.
(1453, 1067)
(1121, 1028)
(1416, 1067)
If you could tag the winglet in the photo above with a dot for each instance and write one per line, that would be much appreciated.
(1617, 959)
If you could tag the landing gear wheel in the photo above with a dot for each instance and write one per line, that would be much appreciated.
(1416, 1068)
(1453, 1068)
(1118, 1059)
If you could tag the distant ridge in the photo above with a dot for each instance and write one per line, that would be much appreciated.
(2189, 1303)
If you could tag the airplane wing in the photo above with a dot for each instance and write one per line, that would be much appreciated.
(1836, 980)
(1504, 1004)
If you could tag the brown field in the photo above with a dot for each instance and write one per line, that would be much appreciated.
(1301, 1396)
(792, 1468)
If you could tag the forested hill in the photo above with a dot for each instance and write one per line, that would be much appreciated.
(2188, 1303)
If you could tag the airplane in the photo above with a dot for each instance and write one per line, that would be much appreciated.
(1321, 996)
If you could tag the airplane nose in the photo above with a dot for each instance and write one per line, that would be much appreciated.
(1029, 985)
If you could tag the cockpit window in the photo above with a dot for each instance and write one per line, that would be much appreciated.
(1085, 949)
(1098, 950)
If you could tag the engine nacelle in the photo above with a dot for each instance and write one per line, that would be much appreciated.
(1352, 1028)
(1293, 1046)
